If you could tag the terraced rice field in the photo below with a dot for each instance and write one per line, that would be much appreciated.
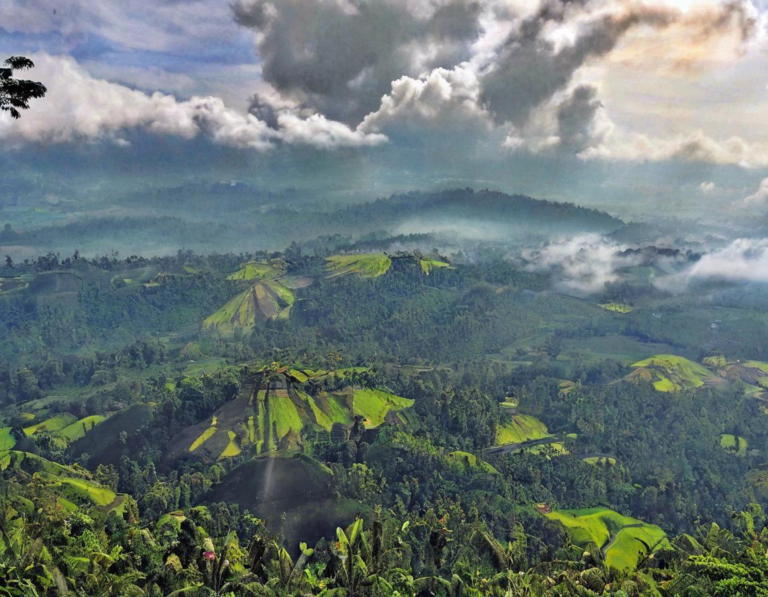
(69, 482)
(265, 419)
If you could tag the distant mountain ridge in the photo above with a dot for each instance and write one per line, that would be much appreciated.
(498, 207)
(240, 221)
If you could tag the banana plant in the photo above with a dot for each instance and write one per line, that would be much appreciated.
(24, 563)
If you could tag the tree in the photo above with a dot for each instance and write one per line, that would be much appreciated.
(8, 262)
(16, 93)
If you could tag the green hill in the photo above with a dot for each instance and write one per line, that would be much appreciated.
(103, 443)
(293, 493)
(671, 373)
(275, 407)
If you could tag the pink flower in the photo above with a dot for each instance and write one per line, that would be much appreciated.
(209, 555)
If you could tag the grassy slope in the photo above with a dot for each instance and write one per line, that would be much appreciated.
(204, 437)
(427, 265)
(627, 548)
(103, 442)
(617, 307)
(600, 460)
(258, 270)
(284, 416)
(671, 373)
(71, 482)
(600, 525)
(367, 265)
(735, 444)
(78, 429)
(56, 423)
(261, 302)
(519, 429)
(375, 404)
(232, 449)
(471, 461)
(7, 441)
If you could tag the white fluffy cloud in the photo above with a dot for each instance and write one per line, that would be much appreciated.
(693, 147)
(707, 187)
(583, 264)
(759, 197)
(744, 260)
(338, 73)
(80, 107)
(442, 100)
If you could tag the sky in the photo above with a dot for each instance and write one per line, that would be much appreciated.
(636, 106)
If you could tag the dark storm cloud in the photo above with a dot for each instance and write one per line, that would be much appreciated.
(575, 117)
(530, 69)
(341, 57)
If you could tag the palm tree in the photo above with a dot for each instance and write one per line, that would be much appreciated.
(102, 582)
(216, 578)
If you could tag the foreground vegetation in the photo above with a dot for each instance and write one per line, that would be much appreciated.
(371, 424)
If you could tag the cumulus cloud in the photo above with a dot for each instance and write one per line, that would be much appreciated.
(759, 197)
(346, 72)
(531, 81)
(341, 56)
(443, 100)
(707, 187)
(79, 107)
(696, 146)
